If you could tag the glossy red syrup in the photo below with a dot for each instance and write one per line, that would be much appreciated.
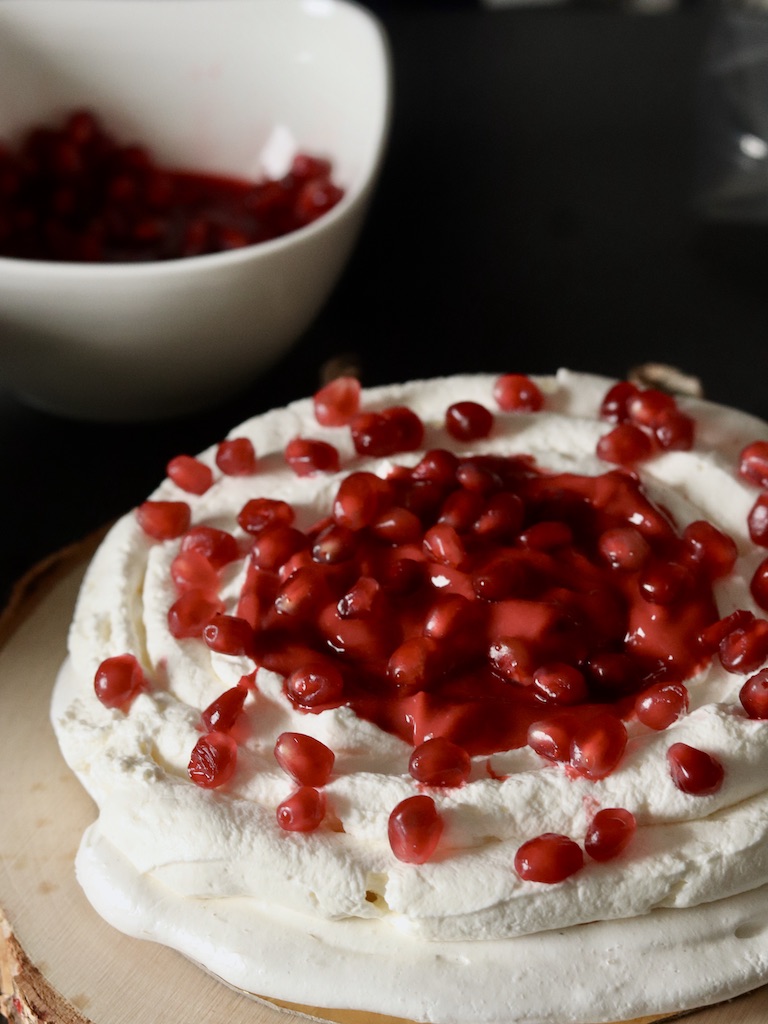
(74, 193)
(475, 635)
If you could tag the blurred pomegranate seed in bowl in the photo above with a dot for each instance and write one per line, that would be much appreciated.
(180, 188)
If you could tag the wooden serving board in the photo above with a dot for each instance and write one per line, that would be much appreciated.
(59, 962)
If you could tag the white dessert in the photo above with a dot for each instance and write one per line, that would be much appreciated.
(460, 939)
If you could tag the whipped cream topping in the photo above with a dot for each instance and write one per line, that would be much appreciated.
(692, 875)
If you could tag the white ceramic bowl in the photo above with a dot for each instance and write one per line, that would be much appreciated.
(228, 86)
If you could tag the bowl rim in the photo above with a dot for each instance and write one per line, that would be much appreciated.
(353, 196)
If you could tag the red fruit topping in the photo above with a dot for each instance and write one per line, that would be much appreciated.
(303, 593)
(213, 760)
(274, 545)
(625, 445)
(414, 664)
(228, 634)
(302, 811)
(546, 535)
(662, 704)
(745, 649)
(118, 680)
(398, 526)
(514, 392)
(757, 521)
(551, 737)
(501, 517)
(467, 421)
(614, 404)
(437, 465)
(512, 658)
(258, 513)
(218, 546)
(714, 634)
(337, 402)
(308, 761)
(675, 431)
(315, 198)
(664, 583)
(442, 544)
(598, 746)
(713, 551)
(361, 499)
(439, 762)
(191, 570)
(649, 407)
(376, 434)
(306, 457)
(758, 585)
(609, 833)
(548, 858)
(188, 616)
(334, 544)
(558, 683)
(361, 599)
(164, 520)
(222, 713)
(236, 457)
(414, 829)
(315, 686)
(753, 463)
(624, 547)
(190, 474)
(754, 695)
(694, 771)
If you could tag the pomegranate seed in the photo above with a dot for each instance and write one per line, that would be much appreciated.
(397, 526)
(306, 457)
(754, 695)
(614, 672)
(714, 634)
(758, 585)
(442, 544)
(450, 617)
(694, 771)
(598, 746)
(514, 392)
(558, 683)
(302, 811)
(664, 583)
(361, 499)
(467, 421)
(191, 570)
(228, 634)
(439, 762)
(337, 402)
(303, 593)
(164, 520)
(648, 408)
(414, 829)
(413, 665)
(213, 760)
(190, 474)
(305, 166)
(188, 616)
(662, 704)
(315, 686)
(675, 431)
(546, 536)
(308, 761)
(753, 463)
(624, 547)
(217, 546)
(548, 858)
(711, 549)
(274, 545)
(437, 465)
(222, 713)
(478, 475)
(361, 599)
(258, 513)
(512, 658)
(236, 457)
(378, 434)
(118, 681)
(315, 198)
(501, 518)
(551, 737)
(625, 445)
(501, 578)
(609, 833)
(757, 522)
(745, 649)
(335, 544)
(461, 510)
(614, 405)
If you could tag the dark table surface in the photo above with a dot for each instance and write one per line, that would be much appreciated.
(535, 210)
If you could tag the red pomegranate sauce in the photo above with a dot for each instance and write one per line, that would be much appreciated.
(73, 193)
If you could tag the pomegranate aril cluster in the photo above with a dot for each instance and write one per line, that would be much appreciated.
(72, 192)
(647, 421)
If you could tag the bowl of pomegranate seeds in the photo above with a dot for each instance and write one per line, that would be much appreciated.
(181, 185)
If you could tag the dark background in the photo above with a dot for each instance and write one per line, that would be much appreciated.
(535, 209)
